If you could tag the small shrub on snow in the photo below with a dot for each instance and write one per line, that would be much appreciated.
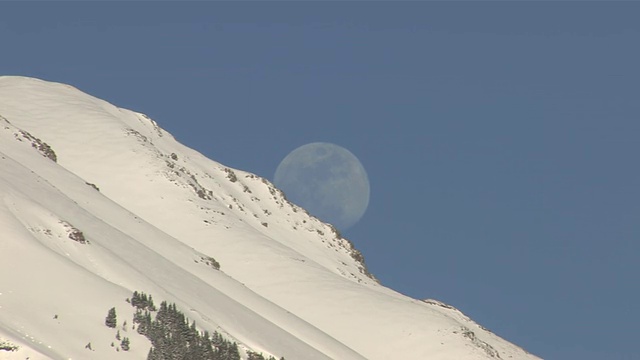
(5, 345)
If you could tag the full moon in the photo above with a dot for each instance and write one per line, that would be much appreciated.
(327, 180)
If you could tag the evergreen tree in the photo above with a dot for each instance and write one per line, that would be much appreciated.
(154, 355)
(111, 320)
(234, 354)
(151, 305)
(135, 299)
(125, 344)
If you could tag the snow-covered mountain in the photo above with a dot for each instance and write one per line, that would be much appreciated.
(97, 202)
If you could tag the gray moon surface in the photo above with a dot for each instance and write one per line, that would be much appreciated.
(327, 180)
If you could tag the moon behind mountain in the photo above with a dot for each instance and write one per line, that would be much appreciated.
(327, 180)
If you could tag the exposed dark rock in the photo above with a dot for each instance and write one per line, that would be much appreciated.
(77, 236)
(359, 258)
(208, 260)
(231, 175)
(39, 145)
(488, 349)
(93, 186)
(137, 134)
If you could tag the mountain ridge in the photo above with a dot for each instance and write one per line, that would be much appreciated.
(159, 210)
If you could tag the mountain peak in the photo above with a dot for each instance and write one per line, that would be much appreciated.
(99, 201)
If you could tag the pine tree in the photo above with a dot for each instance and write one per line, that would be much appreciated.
(125, 343)
(233, 352)
(135, 299)
(111, 319)
(150, 304)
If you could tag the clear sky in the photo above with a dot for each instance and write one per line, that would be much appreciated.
(501, 139)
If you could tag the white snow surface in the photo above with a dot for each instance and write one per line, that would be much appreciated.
(288, 285)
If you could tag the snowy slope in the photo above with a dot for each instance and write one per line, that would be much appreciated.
(152, 211)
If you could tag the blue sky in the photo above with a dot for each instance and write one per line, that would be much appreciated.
(501, 139)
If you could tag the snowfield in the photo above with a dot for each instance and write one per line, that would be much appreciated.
(98, 201)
